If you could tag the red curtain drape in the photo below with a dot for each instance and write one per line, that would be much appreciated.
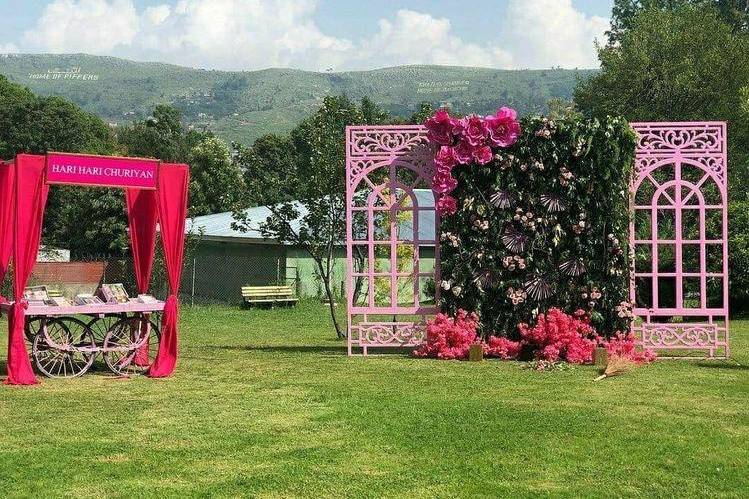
(6, 220)
(172, 200)
(30, 198)
(142, 214)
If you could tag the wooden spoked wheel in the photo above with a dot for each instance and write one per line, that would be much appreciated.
(100, 326)
(32, 327)
(124, 351)
(65, 360)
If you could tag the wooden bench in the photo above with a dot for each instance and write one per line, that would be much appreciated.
(269, 294)
(54, 293)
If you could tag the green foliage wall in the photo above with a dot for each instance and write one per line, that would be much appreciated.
(544, 224)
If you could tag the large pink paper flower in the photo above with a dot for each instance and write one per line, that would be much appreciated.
(447, 205)
(474, 130)
(440, 128)
(464, 152)
(503, 127)
(482, 155)
(445, 159)
(443, 183)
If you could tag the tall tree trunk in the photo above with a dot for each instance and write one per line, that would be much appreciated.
(325, 274)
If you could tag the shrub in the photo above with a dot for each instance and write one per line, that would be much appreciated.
(449, 338)
(623, 345)
(559, 336)
(541, 223)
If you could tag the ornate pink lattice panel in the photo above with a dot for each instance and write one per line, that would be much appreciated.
(679, 238)
(392, 243)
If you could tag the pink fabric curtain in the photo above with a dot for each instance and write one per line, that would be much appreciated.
(172, 200)
(142, 214)
(31, 196)
(6, 220)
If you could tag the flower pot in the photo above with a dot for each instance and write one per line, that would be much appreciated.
(600, 357)
(476, 353)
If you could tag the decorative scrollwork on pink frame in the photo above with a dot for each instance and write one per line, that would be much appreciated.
(384, 141)
(395, 334)
(695, 138)
(679, 335)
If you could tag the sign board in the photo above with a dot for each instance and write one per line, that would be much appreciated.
(102, 171)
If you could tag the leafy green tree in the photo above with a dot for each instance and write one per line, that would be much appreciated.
(683, 65)
(269, 164)
(316, 220)
(161, 136)
(735, 13)
(216, 182)
(676, 62)
(32, 124)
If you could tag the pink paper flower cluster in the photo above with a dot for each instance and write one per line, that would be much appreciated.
(559, 336)
(464, 141)
(451, 339)
(502, 348)
(448, 338)
(623, 346)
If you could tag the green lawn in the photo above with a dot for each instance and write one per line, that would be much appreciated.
(265, 403)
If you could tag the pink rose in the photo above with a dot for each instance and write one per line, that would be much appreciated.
(503, 127)
(483, 155)
(443, 183)
(464, 152)
(447, 205)
(474, 130)
(440, 128)
(445, 159)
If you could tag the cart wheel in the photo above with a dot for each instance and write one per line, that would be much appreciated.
(122, 355)
(99, 326)
(56, 363)
(33, 325)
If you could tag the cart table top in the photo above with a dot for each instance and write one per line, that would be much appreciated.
(133, 306)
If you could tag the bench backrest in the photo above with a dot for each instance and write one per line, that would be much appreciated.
(257, 291)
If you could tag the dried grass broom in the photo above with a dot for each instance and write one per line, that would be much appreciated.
(616, 366)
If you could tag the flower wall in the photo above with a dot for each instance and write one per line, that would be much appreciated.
(534, 217)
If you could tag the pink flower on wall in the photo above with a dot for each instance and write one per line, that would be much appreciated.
(474, 130)
(444, 183)
(447, 205)
(440, 128)
(483, 155)
(464, 153)
(466, 141)
(503, 127)
(446, 158)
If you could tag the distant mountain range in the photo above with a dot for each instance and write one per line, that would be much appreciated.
(245, 105)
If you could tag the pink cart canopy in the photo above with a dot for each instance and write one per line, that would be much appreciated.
(154, 192)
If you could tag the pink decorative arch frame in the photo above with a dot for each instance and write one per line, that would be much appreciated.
(391, 221)
(679, 198)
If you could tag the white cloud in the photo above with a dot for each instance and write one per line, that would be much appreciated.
(253, 34)
(8, 48)
(545, 33)
(416, 38)
(92, 26)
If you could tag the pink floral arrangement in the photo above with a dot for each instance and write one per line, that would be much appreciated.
(502, 348)
(624, 346)
(465, 141)
(449, 338)
(560, 336)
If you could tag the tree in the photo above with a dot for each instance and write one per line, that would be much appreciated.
(735, 13)
(316, 220)
(271, 161)
(32, 124)
(677, 62)
(682, 65)
(216, 182)
(160, 136)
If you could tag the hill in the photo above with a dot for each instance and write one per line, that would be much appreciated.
(244, 105)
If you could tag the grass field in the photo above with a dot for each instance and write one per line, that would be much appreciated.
(265, 403)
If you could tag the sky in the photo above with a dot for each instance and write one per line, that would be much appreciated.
(315, 35)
